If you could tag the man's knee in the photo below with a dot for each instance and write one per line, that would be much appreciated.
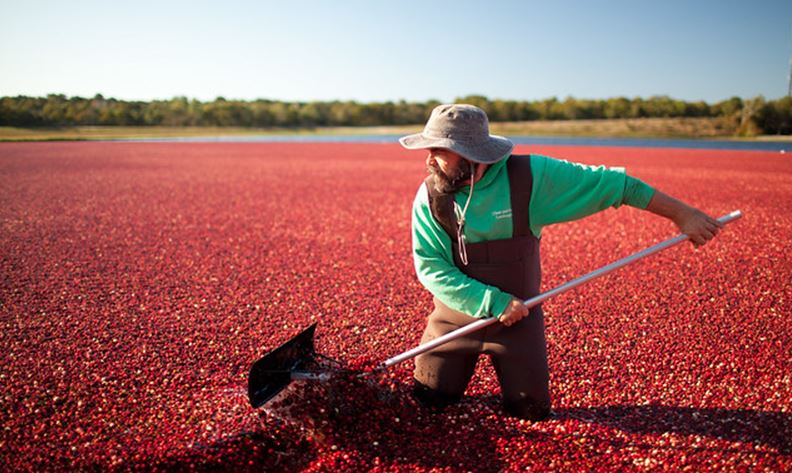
(527, 409)
(433, 398)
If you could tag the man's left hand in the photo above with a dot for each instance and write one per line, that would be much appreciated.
(698, 226)
(694, 223)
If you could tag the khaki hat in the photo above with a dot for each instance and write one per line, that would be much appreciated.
(463, 129)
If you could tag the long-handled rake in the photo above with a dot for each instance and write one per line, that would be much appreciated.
(297, 359)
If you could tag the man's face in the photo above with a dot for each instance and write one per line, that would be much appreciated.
(451, 171)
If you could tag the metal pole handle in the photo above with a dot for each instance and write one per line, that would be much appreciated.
(534, 301)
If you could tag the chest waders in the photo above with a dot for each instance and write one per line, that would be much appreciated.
(518, 353)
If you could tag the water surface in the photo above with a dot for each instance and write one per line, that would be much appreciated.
(780, 146)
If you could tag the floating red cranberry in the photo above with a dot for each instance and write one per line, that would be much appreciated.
(140, 281)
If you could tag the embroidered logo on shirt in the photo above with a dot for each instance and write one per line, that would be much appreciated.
(499, 214)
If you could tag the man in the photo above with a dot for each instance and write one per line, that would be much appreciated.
(476, 225)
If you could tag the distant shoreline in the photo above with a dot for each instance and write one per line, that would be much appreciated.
(668, 128)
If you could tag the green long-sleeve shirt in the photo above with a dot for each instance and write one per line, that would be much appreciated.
(562, 191)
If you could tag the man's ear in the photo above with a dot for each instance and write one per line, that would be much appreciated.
(475, 168)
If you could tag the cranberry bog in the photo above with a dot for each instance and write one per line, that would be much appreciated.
(140, 281)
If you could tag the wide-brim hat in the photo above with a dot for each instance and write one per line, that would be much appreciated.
(463, 129)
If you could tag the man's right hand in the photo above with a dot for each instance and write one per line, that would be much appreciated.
(513, 313)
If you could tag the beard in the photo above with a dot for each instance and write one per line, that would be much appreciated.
(451, 182)
(446, 185)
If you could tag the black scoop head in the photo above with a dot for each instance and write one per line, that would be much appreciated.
(272, 373)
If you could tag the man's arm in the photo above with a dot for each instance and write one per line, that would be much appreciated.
(436, 270)
(691, 221)
(565, 191)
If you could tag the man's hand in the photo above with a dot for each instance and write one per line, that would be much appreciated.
(697, 225)
(691, 221)
(513, 313)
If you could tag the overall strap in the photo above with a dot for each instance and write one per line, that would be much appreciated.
(520, 185)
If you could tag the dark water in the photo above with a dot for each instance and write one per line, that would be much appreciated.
(777, 146)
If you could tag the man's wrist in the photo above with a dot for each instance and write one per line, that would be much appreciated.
(666, 206)
(500, 303)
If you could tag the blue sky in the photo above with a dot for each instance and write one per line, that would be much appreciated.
(412, 50)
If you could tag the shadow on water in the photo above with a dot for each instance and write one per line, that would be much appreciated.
(344, 436)
(772, 429)
(427, 439)
(431, 445)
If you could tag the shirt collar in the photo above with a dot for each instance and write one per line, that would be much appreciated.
(489, 175)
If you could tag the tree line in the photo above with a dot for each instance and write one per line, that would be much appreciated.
(745, 116)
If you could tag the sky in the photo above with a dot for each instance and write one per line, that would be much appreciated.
(392, 50)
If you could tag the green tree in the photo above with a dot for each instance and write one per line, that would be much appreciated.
(618, 107)
(749, 125)
(479, 101)
(775, 117)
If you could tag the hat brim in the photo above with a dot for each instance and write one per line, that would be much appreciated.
(488, 152)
